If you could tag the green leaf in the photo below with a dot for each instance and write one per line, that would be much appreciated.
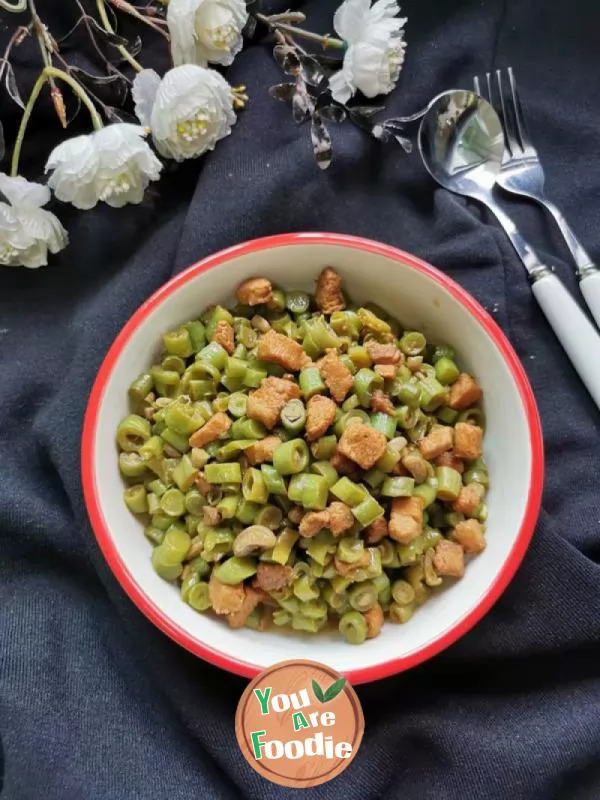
(318, 692)
(334, 690)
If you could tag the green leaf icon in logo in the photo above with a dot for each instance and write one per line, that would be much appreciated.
(334, 690)
(329, 694)
(318, 692)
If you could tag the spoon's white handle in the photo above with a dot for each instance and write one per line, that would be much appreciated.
(573, 329)
(590, 289)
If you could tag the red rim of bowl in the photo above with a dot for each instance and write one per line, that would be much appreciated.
(167, 625)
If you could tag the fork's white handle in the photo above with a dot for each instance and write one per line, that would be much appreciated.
(573, 329)
(590, 289)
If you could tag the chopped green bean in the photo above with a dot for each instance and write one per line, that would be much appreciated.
(245, 428)
(178, 343)
(449, 483)
(353, 627)
(291, 457)
(310, 382)
(324, 447)
(293, 416)
(132, 432)
(223, 473)
(136, 499)
(235, 570)
(398, 487)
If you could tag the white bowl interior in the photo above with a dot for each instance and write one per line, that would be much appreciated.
(419, 303)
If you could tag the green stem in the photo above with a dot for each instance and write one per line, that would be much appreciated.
(15, 8)
(292, 30)
(108, 27)
(46, 74)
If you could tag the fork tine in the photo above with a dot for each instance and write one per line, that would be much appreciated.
(507, 118)
(488, 93)
(518, 110)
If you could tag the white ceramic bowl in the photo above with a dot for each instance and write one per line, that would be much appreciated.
(422, 298)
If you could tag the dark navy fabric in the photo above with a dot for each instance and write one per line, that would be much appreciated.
(95, 702)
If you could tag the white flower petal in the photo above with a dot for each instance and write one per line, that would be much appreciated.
(206, 31)
(45, 226)
(145, 85)
(341, 89)
(350, 18)
(375, 55)
(180, 19)
(19, 191)
(192, 111)
(104, 166)
(27, 232)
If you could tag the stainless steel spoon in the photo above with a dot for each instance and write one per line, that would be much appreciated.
(461, 143)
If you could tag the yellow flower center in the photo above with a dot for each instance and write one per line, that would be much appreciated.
(223, 37)
(118, 185)
(193, 128)
(8, 255)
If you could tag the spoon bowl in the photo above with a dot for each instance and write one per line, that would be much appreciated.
(461, 143)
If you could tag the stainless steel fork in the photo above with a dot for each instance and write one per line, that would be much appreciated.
(522, 174)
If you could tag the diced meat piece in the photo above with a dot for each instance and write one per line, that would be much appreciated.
(251, 599)
(469, 535)
(263, 597)
(313, 522)
(320, 414)
(467, 440)
(343, 568)
(362, 444)
(263, 450)
(337, 518)
(437, 442)
(342, 464)
(450, 459)
(387, 371)
(203, 485)
(272, 577)
(406, 519)
(409, 506)
(224, 336)
(225, 598)
(449, 559)
(211, 430)
(400, 469)
(468, 500)
(381, 402)
(265, 403)
(328, 293)
(211, 516)
(403, 529)
(376, 531)
(336, 375)
(340, 518)
(416, 465)
(254, 292)
(464, 392)
(282, 350)
(374, 620)
(383, 353)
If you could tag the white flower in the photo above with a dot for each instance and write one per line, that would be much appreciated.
(204, 31)
(375, 54)
(114, 164)
(188, 111)
(27, 232)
